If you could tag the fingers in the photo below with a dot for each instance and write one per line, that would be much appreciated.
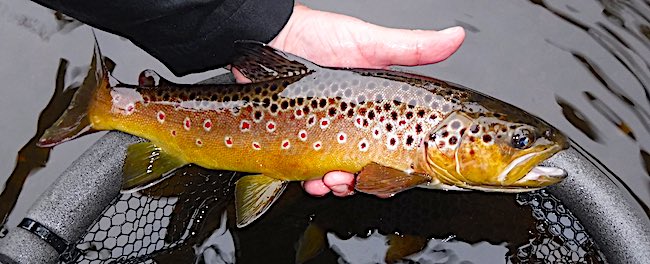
(411, 47)
(239, 76)
(340, 183)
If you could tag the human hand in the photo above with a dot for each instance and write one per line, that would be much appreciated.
(336, 40)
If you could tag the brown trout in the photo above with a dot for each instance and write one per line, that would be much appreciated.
(297, 121)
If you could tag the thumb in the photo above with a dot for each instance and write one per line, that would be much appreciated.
(411, 47)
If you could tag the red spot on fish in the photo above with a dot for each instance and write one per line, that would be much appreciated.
(324, 122)
(187, 123)
(257, 146)
(207, 125)
(130, 108)
(228, 141)
(302, 135)
(318, 145)
(381, 119)
(173, 132)
(161, 116)
(285, 144)
(471, 152)
(341, 137)
(244, 125)
(199, 142)
(270, 126)
(402, 122)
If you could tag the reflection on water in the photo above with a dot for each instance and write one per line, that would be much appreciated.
(577, 119)
(30, 157)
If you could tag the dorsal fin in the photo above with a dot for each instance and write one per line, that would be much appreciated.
(260, 62)
(150, 78)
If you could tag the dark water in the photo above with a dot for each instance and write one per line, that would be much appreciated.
(584, 67)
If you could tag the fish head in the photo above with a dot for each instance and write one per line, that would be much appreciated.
(495, 153)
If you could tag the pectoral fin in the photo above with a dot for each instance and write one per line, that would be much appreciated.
(381, 180)
(146, 164)
(254, 195)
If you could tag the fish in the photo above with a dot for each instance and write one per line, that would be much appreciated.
(297, 120)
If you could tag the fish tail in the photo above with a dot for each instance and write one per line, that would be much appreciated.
(76, 121)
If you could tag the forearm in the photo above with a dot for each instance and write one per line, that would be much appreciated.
(186, 36)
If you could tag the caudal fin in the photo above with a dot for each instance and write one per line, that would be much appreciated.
(75, 121)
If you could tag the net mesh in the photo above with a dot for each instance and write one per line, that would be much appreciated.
(158, 226)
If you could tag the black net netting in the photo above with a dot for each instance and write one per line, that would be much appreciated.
(175, 220)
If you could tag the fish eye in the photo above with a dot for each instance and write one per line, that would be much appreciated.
(522, 138)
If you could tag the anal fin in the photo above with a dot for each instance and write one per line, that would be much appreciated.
(147, 164)
(381, 180)
(254, 195)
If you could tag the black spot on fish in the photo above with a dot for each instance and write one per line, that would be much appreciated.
(275, 97)
(257, 115)
(418, 128)
(266, 102)
(462, 131)
(322, 103)
(306, 109)
(393, 115)
(409, 140)
(487, 138)
(274, 108)
(284, 105)
(343, 106)
(433, 116)
(444, 134)
(421, 113)
(273, 87)
(409, 115)
(258, 89)
(350, 113)
(387, 107)
(300, 101)
(292, 102)
(245, 98)
(371, 114)
(314, 103)
(392, 142)
(389, 127)
(265, 92)
(365, 123)
(214, 97)
(285, 83)
(453, 140)
(166, 97)
(332, 112)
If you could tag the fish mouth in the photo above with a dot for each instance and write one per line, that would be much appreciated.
(534, 176)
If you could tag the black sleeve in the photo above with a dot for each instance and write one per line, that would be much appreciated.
(187, 36)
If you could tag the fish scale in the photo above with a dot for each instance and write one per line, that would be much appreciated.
(297, 121)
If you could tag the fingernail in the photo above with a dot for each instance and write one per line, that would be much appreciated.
(452, 30)
(341, 188)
